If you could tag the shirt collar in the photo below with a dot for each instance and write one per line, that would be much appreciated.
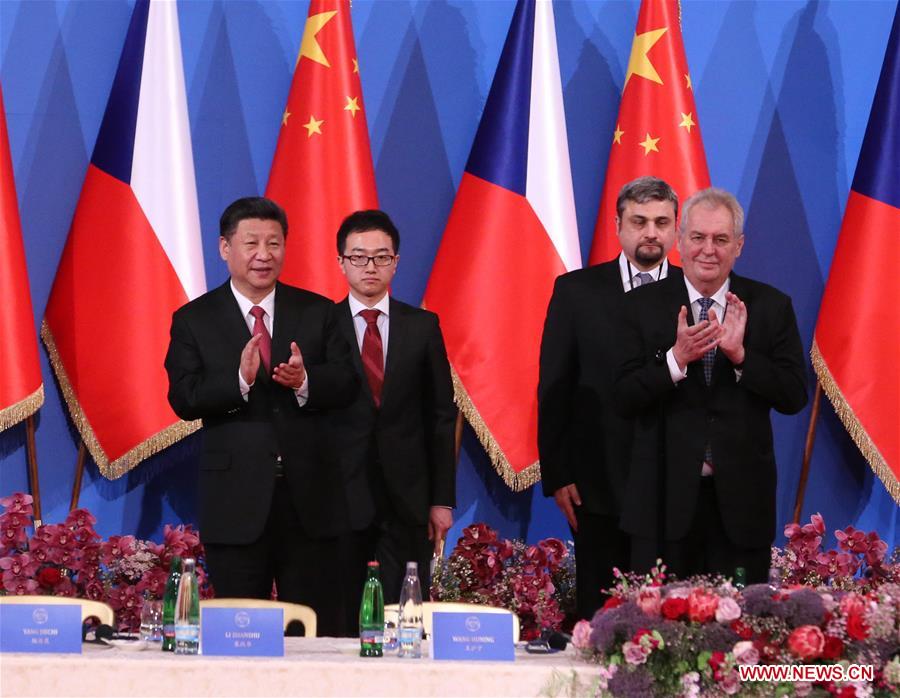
(718, 297)
(657, 273)
(356, 306)
(267, 303)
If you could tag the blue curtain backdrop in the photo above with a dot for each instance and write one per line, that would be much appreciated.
(783, 92)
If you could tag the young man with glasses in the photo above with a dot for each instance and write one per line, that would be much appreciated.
(397, 438)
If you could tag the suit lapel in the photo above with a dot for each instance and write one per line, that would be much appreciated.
(396, 339)
(234, 323)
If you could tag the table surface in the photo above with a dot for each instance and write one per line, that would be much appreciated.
(310, 667)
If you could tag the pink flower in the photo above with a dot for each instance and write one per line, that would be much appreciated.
(606, 673)
(806, 642)
(21, 565)
(581, 635)
(116, 547)
(12, 530)
(80, 518)
(745, 653)
(731, 682)
(18, 503)
(634, 653)
(702, 606)
(650, 601)
(728, 610)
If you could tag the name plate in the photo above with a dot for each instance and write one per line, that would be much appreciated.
(40, 628)
(245, 632)
(479, 636)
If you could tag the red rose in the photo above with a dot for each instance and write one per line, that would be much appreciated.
(744, 631)
(611, 603)
(833, 649)
(673, 608)
(807, 642)
(856, 626)
(702, 606)
(49, 577)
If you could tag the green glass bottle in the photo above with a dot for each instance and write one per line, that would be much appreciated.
(371, 615)
(168, 643)
(740, 578)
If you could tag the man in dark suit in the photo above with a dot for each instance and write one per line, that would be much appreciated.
(260, 363)
(397, 438)
(584, 444)
(708, 357)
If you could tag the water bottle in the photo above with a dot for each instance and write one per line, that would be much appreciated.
(171, 593)
(740, 578)
(371, 615)
(411, 613)
(187, 611)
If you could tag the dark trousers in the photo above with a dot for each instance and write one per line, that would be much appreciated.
(599, 546)
(305, 570)
(706, 549)
(392, 543)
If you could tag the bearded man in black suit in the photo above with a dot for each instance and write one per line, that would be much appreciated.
(261, 363)
(584, 444)
(709, 356)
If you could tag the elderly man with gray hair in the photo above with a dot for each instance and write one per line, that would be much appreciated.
(708, 356)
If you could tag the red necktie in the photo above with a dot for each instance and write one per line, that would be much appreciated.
(265, 344)
(373, 354)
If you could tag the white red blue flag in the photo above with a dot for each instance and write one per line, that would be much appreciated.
(133, 255)
(511, 232)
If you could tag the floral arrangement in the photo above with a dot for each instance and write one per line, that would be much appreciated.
(70, 559)
(658, 637)
(537, 582)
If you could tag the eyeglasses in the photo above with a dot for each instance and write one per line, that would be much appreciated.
(361, 260)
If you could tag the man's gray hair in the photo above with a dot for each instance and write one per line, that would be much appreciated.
(713, 198)
(644, 189)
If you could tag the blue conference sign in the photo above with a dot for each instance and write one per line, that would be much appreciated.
(478, 636)
(245, 632)
(40, 628)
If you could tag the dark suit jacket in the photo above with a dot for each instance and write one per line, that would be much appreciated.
(676, 421)
(241, 439)
(581, 437)
(410, 438)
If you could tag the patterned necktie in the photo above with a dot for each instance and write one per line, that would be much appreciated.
(645, 278)
(709, 357)
(708, 360)
(265, 344)
(373, 354)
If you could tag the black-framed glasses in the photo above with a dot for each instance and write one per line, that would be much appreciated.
(361, 260)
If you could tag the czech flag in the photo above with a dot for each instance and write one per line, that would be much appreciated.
(511, 232)
(132, 257)
(855, 347)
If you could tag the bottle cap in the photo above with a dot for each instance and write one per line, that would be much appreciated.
(373, 563)
(412, 567)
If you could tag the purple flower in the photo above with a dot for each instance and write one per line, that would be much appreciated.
(617, 625)
(631, 682)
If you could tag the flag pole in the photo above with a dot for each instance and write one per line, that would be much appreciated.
(79, 471)
(807, 451)
(33, 481)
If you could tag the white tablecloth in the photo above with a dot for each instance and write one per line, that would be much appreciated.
(310, 667)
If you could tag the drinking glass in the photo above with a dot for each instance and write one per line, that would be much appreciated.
(152, 620)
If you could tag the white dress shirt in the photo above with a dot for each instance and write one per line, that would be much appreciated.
(383, 322)
(268, 305)
(630, 272)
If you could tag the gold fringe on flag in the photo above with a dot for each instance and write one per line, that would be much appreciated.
(118, 467)
(517, 482)
(851, 422)
(22, 409)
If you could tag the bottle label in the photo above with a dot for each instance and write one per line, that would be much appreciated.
(187, 633)
(371, 637)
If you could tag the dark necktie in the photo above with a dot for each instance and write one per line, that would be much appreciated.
(645, 278)
(265, 344)
(373, 354)
(708, 359)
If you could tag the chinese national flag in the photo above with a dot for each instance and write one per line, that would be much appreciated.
(855, 346)
(322, 170)
(657, 132)
(21, 386)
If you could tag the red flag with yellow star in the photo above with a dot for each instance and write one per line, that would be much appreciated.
(322, 170)
(21, 385)
(657, 132)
